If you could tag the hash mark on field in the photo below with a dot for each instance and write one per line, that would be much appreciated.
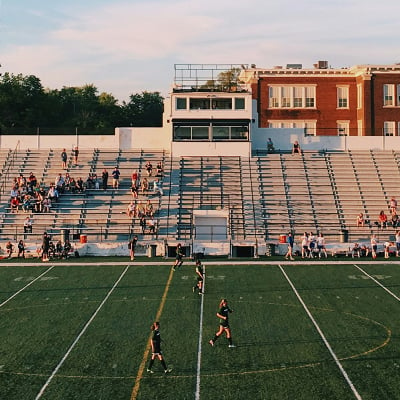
(184, 277)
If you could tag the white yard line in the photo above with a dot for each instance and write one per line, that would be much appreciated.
(79, 336)
(328, 346)
(377, 282)
(197, 393)
(29, 284)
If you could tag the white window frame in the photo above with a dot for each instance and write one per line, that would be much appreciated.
(309, 126)
(342, 97)
(343, 128)
(388, 95)
(389, 128)
(285, 96)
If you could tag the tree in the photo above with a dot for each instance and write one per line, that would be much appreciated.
(144, 109)
(227, 81)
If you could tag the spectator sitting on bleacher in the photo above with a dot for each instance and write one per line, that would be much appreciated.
(67, 249)
(28, 225)
(160, 169)
(382, 220)
(59, 249)
(148, 209)
(9, 249)
(140, 209)
(46, 205)
(14, 191)
(394, 219)
(360, 220)
(393, 205)
(67, 182)
(134, 191)
(145, 185)
(72, 185)
(157, 190)
(135, 178)
(149, 168)
(27, 204)
(14, 204)
(131, 209)
(270, 146)
(52, 194)
(79, 185)
(21, 181)
(60, 183)
(152, 225)
(364, 251)
(356, 251)
(32, 181)
(142, 224)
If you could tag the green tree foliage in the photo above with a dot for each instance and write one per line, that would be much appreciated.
(24, 103)
(144, 109)
(226, 81)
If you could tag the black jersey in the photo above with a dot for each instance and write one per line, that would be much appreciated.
(156, 340)
(224, 311)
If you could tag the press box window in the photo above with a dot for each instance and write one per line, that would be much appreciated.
(239, 103)
(181, 103)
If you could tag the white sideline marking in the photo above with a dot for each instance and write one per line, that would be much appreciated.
(377, 282)
(197, 394)
(328, 346)
(30, 283)
(79, 336)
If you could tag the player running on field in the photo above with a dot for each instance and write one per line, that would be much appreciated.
(200, 277)
(223, 315)
(178, 258)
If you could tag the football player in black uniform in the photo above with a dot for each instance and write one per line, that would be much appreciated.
(223, 315)
(156, 349)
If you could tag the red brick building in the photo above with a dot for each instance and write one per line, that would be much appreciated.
(358, 101)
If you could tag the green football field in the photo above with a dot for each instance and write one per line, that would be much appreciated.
(305, 332)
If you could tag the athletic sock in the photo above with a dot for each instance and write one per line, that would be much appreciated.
(163, 364)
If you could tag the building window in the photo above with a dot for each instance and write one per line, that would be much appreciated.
(291, 97)
(343, 128)
(388, 95)
(388, 128)
(342, 97)
(297, 97)
(181, 103)
(274, 97)
(239, 103)
(310, 96)
(398, 95)
(309, 127)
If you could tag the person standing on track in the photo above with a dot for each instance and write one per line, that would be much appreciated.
(223, 315)
(156, 349)
(200, 277)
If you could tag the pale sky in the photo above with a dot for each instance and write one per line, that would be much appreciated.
(124, 47)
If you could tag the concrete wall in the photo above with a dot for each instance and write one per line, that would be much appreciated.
(59, 141)
(211, 148)
(160, 138)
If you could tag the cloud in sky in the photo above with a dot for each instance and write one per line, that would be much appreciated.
(125, 47)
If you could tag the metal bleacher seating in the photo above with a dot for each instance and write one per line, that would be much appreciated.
(265, 195)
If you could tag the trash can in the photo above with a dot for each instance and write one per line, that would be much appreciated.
(83, 239)
(64, 235)
(151, 250)
(344, 236)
